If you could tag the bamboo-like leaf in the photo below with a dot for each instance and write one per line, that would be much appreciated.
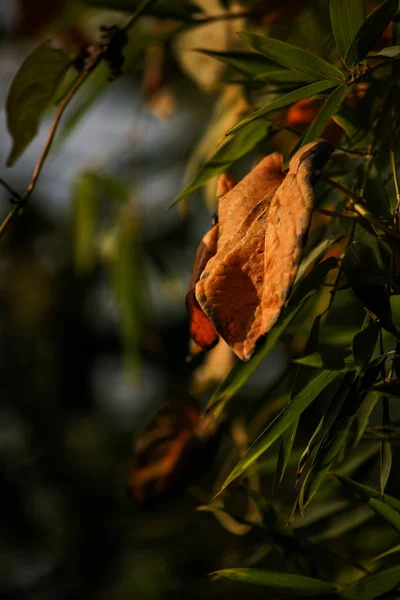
(285, 450)
(85, 214)
(324, 461)
(32, 89)
(390, 52)
(364, 413)
(387, 553)
(304, 92)
(322, 119)
(282, 581)
(367, 492)
(293, 57)
(385, 464)
(281, 423)
(129, 286)
(347, 16)
(360, 261)
(372, 586)
(386, 512)
(364, 344)
(369, 32)
(233, 149)
(255, 66)
(390, 388)
(303, 375)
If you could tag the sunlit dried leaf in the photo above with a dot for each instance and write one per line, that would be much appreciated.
(263, 224)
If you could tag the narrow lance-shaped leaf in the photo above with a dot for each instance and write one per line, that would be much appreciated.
(85, 215)
(294, 58)
(322, 119)
(369, 32)
(255, 66)
(390, 388)
(360, 262)
(364, 344)
(234, 148)
(347, 16)
(127, 271)
(367, 492)
(372, 586)
(290, 98)
(302, 378)
(385, 511)
(386, 448)
(281, 581)
(389, 52)
(281, 423)
(32, 88)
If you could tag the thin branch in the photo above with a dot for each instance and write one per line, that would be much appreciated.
(21, 201)
(137, 13)
(10, 217)
(50, 138)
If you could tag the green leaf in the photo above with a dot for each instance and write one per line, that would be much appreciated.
(387, 553)
(356, 128)
(281, 423)
(364, 344)
(364, 414)
(303, 376)
(32, 88)
(385, 464)
(389, 388)
(233, 149)
(277, 580)
(322, 119)
(332, 359)
(294, 58)
(285, 450)
(241, 372)
(347, 16)
(372, 586)
(85, 215)
(369, 32)
(255, 66)
(367, 492)
(290, 98)
(129, 286)
(390, 51)
(325, 457)
(386, 512)
(360, 262)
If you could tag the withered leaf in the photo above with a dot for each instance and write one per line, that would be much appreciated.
(263, 224)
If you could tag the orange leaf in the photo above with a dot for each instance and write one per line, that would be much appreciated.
(263, 224)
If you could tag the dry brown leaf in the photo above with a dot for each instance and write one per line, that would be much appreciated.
(262, 228)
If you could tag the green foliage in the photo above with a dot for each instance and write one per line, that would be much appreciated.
(326, 418)
(287, 582)
(237, 146)
(31, 91)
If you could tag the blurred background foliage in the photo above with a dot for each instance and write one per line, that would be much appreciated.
(103, 457)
